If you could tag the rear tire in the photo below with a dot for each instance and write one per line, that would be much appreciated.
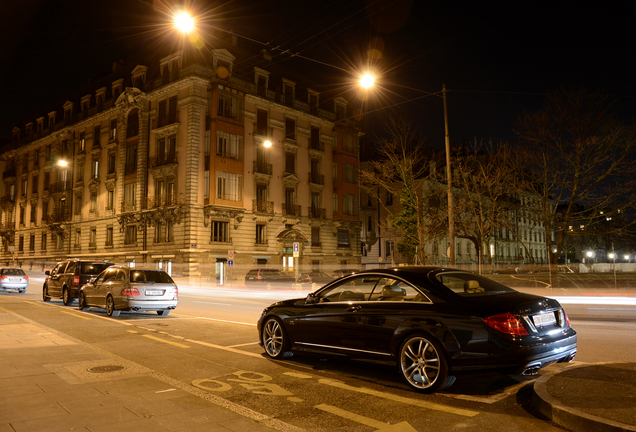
(163, 312)
(66, 297)
(110, 307)
(422, 364)
(45, 294)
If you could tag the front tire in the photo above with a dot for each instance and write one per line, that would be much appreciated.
(422, 364)
(275, 340)
(66, 297)
(81, 302)
(45, 294)
(110, 307)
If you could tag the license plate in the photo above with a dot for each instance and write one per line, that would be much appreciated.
(544, 319)
(15, 279)
(154, 292)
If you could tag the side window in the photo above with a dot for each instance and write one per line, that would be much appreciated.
(59, 268)
(106, 275)
(121, 276)
(355, 289)
(72, 266)
(389, 289)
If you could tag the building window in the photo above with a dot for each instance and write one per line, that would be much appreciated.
(290, 129)
(131, 158)
(314, 139)
(158, 232)
(132, 127)
(167, 113)
(290, 162)
(44, 241)
(22, 215)
(34, 208)
(92, 241)
(335, 203)
(229, 186)
(349, 144)
(350, 204)
(93, 202)
(229, 106)
(94, 168)
(80, 172)
(206, 184)
(21, 244)
(315, 236)
(130, 236)
(96, 137)
(78, 204)
(229, 145)
(343, 238)
(109, 236)
(220, 232)
(110, 203)
(32, 242)
(261, 237)
(129, 196)
(111, 163)
(349, 173)
(389, 248)
(261, 122)
(170, 231)
(113, 130)
(78, 239)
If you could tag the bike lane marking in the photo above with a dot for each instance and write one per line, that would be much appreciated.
(375, 424)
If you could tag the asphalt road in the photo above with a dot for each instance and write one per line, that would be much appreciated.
(209, 342)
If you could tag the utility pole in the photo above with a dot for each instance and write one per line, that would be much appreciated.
(451, 223)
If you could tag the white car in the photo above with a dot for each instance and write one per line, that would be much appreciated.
(121, 288)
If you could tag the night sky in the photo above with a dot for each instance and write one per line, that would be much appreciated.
(497, 59)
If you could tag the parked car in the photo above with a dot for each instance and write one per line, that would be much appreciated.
(123, 288)
(269, 278)
(344, 272)
(13, 279)
(432, 322)
(66, 278)
(311, 278)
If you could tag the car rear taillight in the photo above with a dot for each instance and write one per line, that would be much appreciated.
(131, 291)
(76, 280)
(567, 320)
(26, 277)
(3, 277)
(506, 323)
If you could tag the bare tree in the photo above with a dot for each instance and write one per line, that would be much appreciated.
(578, 161)
(402, 169)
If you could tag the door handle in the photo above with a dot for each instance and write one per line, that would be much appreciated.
(354, 308)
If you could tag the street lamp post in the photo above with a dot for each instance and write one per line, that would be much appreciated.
(451, 223)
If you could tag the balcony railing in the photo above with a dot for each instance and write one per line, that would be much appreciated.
(7, 200)
(316, 178)
(262, 167)
(127, 206)
(317, 145)
(315, 212)
(161, 201)
(291, 209)
(262, 206)
(164, 159)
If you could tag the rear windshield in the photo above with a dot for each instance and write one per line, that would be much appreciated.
(93, 268)
(12, 272)
(471, 285)
(150, 276)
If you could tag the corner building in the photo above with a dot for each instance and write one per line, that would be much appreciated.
(166, 166)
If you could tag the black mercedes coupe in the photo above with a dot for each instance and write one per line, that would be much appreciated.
(431, 321)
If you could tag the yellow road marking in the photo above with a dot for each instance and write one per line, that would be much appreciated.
(396, 398)
(76, 315)
(375, 424)
(226, 349)
(165, 341)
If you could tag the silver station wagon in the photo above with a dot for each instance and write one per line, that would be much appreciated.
(121, 288)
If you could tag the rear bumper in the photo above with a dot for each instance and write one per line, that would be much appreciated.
(14, 286)
(148, 305)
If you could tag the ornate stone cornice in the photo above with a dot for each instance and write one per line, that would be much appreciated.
(164, 131)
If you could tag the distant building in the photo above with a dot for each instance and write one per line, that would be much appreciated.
(166, 165)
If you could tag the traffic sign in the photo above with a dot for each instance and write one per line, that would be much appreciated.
(230, 254)
(296, 246)
(230, 263)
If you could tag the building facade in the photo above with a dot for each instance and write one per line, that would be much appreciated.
(164, 163)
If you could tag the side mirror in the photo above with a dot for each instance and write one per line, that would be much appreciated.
(48, 273)
(312, 298)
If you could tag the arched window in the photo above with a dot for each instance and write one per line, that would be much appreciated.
(132, 129)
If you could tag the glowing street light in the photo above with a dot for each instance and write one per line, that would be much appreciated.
(267, 143)
(367, 80)
(184, 22)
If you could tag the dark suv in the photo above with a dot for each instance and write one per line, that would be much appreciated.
(268, 278)
(66, 278)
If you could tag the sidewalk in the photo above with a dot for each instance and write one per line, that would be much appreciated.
(589, 397)
(52, 382)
